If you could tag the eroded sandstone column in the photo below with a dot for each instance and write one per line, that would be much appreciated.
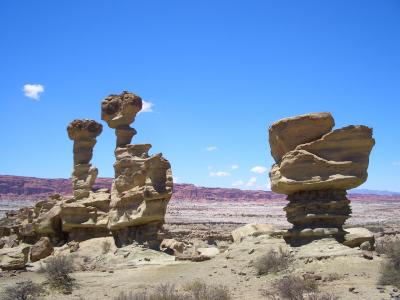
(315, 166)
(83, 133)
(142, 185)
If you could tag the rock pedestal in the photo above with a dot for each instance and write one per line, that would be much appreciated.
(315, 166)
(83, 133)
(143, 184)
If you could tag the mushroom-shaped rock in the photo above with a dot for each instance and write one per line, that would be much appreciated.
(119, 111)
(314, 167)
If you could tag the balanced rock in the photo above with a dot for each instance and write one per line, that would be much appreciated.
(314, 167)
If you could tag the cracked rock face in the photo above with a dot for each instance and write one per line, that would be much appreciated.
(314, 167)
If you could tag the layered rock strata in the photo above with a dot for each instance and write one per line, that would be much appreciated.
(143, 184)
(314, 167)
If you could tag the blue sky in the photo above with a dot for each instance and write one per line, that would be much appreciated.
(218, 73)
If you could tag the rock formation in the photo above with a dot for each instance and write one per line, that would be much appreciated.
(143, 184)
(314, 168)
(133, 211)
(83, 133)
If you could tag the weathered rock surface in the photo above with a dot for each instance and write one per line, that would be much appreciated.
(252, 230)
(286, 134)
(357, 236)
(14, 258)
(41, 249)
(314, 167)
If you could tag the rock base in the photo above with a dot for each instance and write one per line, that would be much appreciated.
(316, 215)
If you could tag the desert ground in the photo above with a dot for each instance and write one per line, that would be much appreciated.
(340, 271)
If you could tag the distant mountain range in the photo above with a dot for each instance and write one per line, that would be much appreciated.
(32, 188)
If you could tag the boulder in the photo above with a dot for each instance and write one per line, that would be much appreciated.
(41, 249)
(14, 258)
(252, 230)
(208, 252)
(357, 236)
(171, 244)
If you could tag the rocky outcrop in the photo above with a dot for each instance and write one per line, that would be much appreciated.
(133, 211)
(314, 167)
(14, 258)
(143, 184)
(83, 133)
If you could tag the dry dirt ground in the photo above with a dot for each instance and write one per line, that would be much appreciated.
(340, 270)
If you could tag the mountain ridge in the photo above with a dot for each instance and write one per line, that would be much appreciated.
(33, 188)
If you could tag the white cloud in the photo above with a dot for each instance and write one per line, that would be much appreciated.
(176, 179)
(238, 183)
(147, 106)
(220, 174)
(258, 169)
(211, 148)
(252, 181)
(33, 90)
(234, 167)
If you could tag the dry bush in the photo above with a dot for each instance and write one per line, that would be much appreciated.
(201, 291)
(273, 261)
(57, 270)
(390, 274)
(26, 290)
(390, 271)
(196, 290)
(333, 277)
(106, 247)
(295, 288)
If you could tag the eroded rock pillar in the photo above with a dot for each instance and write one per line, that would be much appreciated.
(83, 133)
(142, 185)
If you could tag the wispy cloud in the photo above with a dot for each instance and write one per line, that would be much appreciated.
(211, 148)
(33, 91)
(258, 169)
(238, 183)
(396, 163)
(147, 106)
(252, 181)
(176, 179)
(234, 167)
(210, 167)
(220, 174)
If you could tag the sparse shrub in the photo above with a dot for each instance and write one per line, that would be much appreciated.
(295, 288)
(57, 270)
(390, 274)
(201, 291)
(390, 271)
(196, 290)
(324, 296)
(273, 261)
(106, 247)
(26, 290)
(332, 277)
